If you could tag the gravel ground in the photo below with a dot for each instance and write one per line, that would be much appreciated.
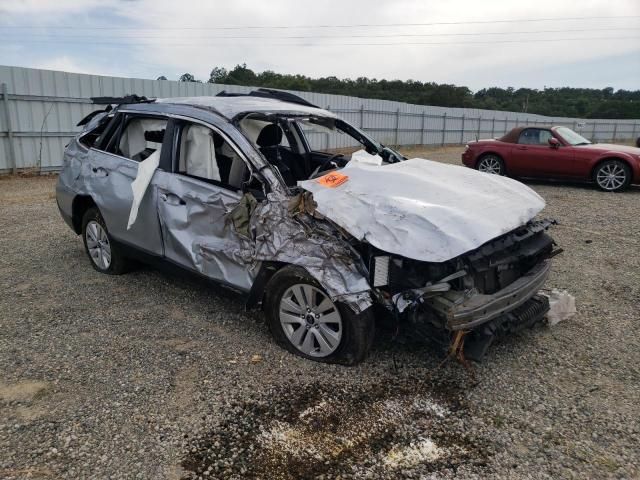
(150, 375)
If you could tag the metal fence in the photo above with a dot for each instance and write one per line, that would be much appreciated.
(40, 108)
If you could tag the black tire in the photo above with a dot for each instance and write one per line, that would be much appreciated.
(493, 159)
(607, 184)
(358, 329)
(118, 264)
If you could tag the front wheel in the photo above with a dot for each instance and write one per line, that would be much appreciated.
(612, 175)
(491, 164)
(304, 320)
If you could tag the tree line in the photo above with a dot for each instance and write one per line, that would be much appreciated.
(554, 102)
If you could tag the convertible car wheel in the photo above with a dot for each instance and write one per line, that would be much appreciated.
(612, 175)
(491, 164)
(305, 321)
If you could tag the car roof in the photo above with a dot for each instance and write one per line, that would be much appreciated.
(231, 107)
(513, 135)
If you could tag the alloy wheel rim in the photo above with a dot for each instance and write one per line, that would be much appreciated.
(98, 245)
(490, 165)
(611, 176)
(310, 320)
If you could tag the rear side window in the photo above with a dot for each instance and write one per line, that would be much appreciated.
(534, 136)
(140, 137)
(134, 137)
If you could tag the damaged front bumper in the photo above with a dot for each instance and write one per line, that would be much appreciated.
(465, 312)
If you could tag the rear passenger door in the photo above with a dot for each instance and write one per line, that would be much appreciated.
(195, 200)
(112, 167)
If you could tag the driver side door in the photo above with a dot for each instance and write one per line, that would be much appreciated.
(533, 156)
(195, 199)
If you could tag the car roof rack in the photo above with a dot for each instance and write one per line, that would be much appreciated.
(127, 99)
(270, 93)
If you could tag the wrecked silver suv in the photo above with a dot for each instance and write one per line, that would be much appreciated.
(230, 187)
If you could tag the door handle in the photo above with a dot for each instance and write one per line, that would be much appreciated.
(172, 199)
(522, 148)
(100, 170)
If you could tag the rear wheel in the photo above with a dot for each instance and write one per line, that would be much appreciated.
(612, 175)
(104, 254)
(304, 320)
(491, 163)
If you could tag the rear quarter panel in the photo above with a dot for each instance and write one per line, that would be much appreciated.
(478, 149)
(587, 160)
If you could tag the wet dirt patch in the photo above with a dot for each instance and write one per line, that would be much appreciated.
(324, 431)
(25, 391)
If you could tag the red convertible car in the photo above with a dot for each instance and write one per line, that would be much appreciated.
(556, 153)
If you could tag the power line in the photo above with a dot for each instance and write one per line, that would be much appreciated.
(360, 25)
(393, 35)
(201, 44)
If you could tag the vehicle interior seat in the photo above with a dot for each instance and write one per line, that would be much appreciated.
(137, 137)
(289, 163)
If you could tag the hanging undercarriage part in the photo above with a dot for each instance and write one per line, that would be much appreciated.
(488, 293)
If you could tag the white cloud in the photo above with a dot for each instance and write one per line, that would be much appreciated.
(175, 50)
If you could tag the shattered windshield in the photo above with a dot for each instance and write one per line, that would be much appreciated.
(320, 136)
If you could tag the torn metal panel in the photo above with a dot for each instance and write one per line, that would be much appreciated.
(281, 230)
(424, 210)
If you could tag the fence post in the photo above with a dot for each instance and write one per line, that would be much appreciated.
(397, 126)
(12, 148)
(479, 124)
(593, 133)
(615, 130)
(444, 127)
(633, 132)
(462, 131)
(493, 126)
(362, 117)
(424, 114)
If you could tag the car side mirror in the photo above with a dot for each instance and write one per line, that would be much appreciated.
(554, 142)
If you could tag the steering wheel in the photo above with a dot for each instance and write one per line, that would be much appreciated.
(320, 168)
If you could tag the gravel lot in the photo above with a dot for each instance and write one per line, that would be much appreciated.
(151, 375)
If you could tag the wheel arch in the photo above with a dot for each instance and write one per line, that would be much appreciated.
(81, 203)
(606, 159)
(491, 152)
(255, 298)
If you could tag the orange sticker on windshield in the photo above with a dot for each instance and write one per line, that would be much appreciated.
(333, 179)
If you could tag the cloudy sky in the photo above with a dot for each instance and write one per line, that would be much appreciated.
(553, 43)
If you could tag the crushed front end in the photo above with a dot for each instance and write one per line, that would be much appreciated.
(481, 295)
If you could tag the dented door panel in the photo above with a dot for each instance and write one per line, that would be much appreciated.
(195, 230)
(108, 181)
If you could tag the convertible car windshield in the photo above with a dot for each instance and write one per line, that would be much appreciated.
(572, 137)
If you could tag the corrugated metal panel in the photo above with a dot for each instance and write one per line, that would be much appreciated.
(43, 126)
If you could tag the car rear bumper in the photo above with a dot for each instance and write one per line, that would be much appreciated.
(64, 199)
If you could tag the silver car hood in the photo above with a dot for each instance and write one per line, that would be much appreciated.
(422, 209)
